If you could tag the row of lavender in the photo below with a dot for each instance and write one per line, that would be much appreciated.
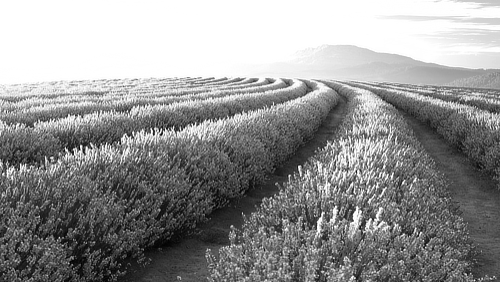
(47, 107)
(485, 99)
(90, 88)
(370, 206)
(474, 131)
(77, 218)
(21, 144)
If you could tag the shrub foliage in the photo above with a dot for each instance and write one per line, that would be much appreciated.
(369, 206)
(78, 217)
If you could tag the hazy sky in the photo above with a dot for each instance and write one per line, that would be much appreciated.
(54, 40)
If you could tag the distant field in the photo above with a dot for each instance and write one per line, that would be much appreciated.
(96, 172)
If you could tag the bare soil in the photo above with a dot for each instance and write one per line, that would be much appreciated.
(473, 191)
(184, 259)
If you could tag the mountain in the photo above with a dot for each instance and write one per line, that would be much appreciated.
(488, 80)
(342, 56)
(348, 62)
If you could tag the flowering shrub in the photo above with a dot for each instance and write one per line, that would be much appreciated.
(476, 132)
(484, 99)
(20, 144)
(108, 127)
(369, 206)
(40, 108)
(28, 95)
(80, 216)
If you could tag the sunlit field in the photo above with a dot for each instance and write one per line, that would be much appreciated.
(95, 173)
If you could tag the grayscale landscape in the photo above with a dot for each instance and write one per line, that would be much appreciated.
(253, 141)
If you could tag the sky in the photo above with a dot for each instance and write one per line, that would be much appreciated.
(71, 40)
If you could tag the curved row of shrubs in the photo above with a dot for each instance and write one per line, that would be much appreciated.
(237, 82)
(115, 92)
(369, 206)
(40, 110)
(21, 144)
(470, 97)
(93, 88)
(475, 132)
(140, 90)
(79, 217)
(178, 88)
(221, 81)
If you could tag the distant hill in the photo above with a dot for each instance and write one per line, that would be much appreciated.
(488, 80)
(345, 56)
(355, 63)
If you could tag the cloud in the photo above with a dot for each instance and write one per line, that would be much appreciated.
(458, 31)
(417, 18)
(493, 22)
(484, 3)
(476, 36)
(487, 21)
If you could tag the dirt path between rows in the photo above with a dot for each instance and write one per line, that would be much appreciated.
(184, 260)
(474, 192)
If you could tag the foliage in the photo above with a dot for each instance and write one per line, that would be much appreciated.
(369, 206)
(476, 132)
(108, 127)
(78, 217)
